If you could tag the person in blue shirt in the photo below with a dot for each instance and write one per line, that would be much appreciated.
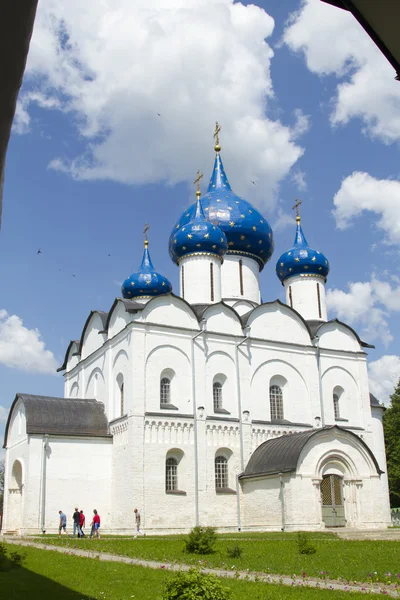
(63, 523)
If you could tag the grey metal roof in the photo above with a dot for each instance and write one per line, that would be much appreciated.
(16, 25)
(281, 454)
(62, 416)
(314, 326)
(374, 401)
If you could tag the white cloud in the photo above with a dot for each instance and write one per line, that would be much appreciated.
(368, 305)
(360, 192)
(22, 348)
(299, 178)
(333, 42)
(384, 375)
(146, 81)
(283, 221)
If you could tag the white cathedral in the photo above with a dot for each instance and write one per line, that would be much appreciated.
(211, 407)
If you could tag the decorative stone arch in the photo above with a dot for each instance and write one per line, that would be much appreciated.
(74, 393)
(15, 496)
(96, 385)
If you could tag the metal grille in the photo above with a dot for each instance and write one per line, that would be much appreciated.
(326, 491)
(331, 491)
(217, 395)
(165, 391)
(336, 409)
(122, 398)
(221, 472)
(276, 402)
(171, 474)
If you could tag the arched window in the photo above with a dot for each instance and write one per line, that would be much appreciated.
(336, 408)
(221, 472)
(165, 391)
(171, 474)
(122, 398)
(276, 402)
(217, 395)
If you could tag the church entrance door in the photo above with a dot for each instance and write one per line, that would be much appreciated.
(332, 501)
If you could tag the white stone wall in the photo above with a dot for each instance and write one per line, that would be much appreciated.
(302, 295)
(230, 278)
(200, 278)
(129, 471)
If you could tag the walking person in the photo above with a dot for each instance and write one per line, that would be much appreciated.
(63, 523)
(76, 517)
(82, 520)
(95, 524)
(137, 524)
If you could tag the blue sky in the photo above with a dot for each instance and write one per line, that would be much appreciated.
(91, 160)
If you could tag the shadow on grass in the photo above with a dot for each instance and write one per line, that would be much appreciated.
(18, 583)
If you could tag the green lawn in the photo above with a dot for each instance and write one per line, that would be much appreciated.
(271, 553)
(50, 575)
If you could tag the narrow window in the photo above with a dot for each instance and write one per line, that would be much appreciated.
(183, 280)
(212, 281)
(276, 402)
(241, 277)
(165, 391)
(171, 474)
(217, 395)
(336, 408)
(221, 472)
(122, 397)
(290, 296)
(319, 301)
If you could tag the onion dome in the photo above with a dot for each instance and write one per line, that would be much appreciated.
(301, 259)
(198, 236)
(146, 282)
(248, 233)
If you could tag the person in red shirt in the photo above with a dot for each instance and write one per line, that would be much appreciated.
(82, 520)
(95, 524)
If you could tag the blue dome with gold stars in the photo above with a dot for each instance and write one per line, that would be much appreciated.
(146, 281)
(246, 230)
(301, 259)
(199, 236)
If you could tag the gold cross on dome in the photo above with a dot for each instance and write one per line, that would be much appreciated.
(197, 181)
(217, 147)
(145, 230)
(296, 206)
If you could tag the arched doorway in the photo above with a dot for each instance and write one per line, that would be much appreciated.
(332, 501)
(15, 497)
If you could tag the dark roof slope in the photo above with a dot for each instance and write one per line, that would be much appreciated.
(281, 454)
(314, 326)
(62, 416)
(374, 401)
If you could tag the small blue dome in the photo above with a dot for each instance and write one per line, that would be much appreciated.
(301, 259)
(199, 236)
(246, 230)
(146, 281)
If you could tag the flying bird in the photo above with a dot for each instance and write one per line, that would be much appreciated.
(73, 275)
(39, 251)
(159, 114)
(254, 183)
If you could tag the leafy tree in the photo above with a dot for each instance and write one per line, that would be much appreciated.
(391, 425)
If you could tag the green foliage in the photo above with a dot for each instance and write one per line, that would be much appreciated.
(391, 425)
(234, 551)
(192, 585)
(303, 544)
(201, 540)
(7, 562)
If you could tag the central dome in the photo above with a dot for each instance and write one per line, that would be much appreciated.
(246, 230)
